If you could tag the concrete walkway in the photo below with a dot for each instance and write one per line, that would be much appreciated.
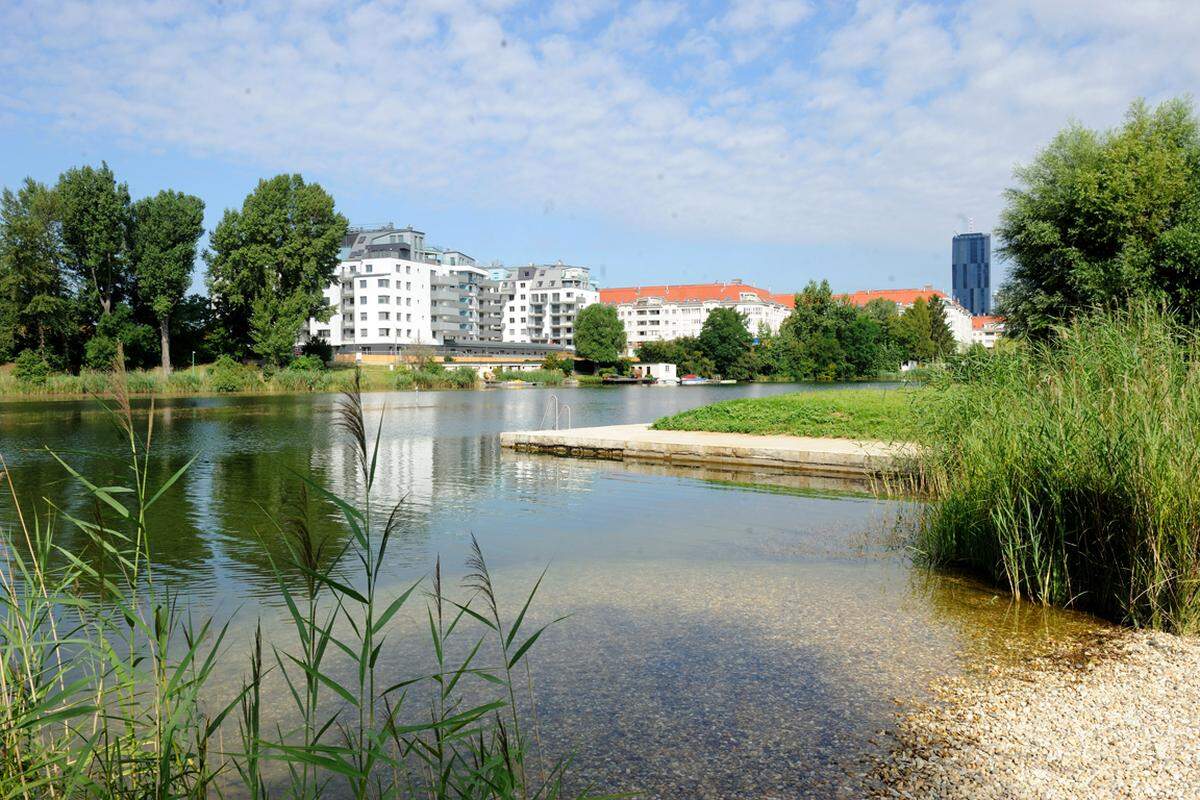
(835, 457)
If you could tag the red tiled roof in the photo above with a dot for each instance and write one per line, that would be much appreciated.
(979, 322)
(689, 292)
(901, 297)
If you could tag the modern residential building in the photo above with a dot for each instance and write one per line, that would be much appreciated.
(394, 290)
(971, 272)
(662, 313)
(957, 317)
(986, 330)
(541, 302)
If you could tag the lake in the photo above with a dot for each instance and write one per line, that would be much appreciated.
(725, 639)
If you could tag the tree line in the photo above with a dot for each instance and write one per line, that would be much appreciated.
(87, 272)
(823, 338)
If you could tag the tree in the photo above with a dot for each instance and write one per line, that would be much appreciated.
(724, 339)
(95, 215)
(599, 334)
(270, 263)
(33, 288)
(1099, 218)
(939, 329)
(916, 325)
(166, 229)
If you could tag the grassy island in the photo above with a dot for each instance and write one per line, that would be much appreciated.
(880, 414)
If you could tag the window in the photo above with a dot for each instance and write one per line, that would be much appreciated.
(385, 315)
(408, 301)
(370, 268)
(383, 298)
(408, 286)
(362, 332)
(363, 299)
(385, 332)
(362, 284)
(408, 317)
(384, 283)
(408, 269)
(362, 317)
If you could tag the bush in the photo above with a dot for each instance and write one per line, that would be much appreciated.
(143, 382)
(1067, 470)
(307, 363)
(319, 349)
(553, 361)
(463, 378)
(31, 368)
(227, 375)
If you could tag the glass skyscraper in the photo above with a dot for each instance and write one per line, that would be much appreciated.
(971, 272)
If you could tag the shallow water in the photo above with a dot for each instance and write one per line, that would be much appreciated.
(725, 640)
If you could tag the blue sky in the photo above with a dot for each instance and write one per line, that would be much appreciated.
(654, 141)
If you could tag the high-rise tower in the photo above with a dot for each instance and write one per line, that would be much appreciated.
(971, 272)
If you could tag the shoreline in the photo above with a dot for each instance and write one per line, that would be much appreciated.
(1116, 715)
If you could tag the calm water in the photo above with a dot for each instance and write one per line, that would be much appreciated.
(725, 640)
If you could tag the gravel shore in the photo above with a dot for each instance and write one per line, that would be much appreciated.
(1116, 716)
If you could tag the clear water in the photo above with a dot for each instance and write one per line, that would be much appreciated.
(725, 639)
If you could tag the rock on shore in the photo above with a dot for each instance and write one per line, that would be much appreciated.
(1115, 717)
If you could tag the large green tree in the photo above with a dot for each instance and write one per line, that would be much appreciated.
(34, 292)
(1099, 218)
(916, 331)
(269, 264)
(599, 334)
(724, 339)
(96, 217)
(939, 329)
(166, 230)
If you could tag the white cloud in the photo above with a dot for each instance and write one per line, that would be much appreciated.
(880, 127)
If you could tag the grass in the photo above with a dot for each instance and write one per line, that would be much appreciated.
(884, 415)
(106, 678)
(1067, 471)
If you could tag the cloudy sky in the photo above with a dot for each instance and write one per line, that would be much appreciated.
(654, 141)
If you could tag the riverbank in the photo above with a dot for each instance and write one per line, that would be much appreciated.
(859, 414)
(1116, 716)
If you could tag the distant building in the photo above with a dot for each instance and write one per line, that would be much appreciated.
(986, 330)
(957, 317)
(541, 302)
(662, 313)
(971, 272)
(392, 290)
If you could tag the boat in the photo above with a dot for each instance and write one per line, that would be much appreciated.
(693, 380)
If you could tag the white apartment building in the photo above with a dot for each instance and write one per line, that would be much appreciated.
(393, 290)
(985, 330)
(957, 317)
(541, 301)
(662, 313)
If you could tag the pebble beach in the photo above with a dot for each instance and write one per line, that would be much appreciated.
(1114, 716)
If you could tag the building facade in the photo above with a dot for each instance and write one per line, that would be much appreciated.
(986, 330)
(662, 313)
(958, 318)
(541, 302)
(392, 290)
(971, 272)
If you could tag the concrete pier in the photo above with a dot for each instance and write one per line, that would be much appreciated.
(830, 457)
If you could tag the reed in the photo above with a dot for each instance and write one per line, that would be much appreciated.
(1067, 471)
(106, 686)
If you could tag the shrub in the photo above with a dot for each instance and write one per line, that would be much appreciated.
(551, 377)
(308, 363)
(1067, 470)
(227, 375)
(405, 380)
(31, 368)
(463, 378)
(318, 349)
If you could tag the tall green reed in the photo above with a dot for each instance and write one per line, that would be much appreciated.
(1068, 470)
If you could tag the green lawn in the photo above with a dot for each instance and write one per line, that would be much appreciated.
(882, 414)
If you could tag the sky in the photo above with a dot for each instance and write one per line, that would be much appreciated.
(654, 141)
